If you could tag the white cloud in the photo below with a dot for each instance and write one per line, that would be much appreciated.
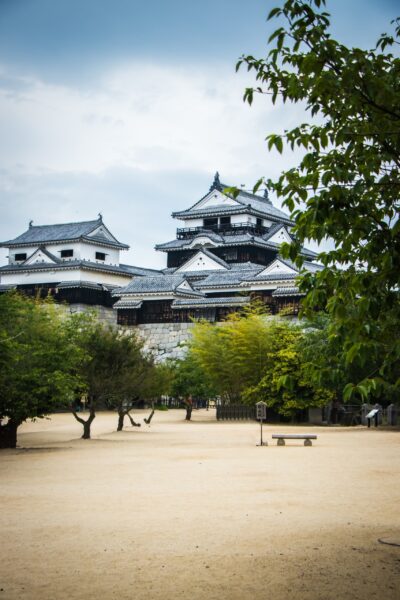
(140, 116)
(145, 140)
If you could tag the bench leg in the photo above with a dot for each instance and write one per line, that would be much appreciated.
(280, 442)
(307, 442)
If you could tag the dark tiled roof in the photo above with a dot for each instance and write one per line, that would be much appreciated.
(41, 234)
(227, 279)
(152, 284)
(211, 302)
(255, 203)
(140, 271)
(231, 240)
(81, 284)
(226, 240)
(128, 303)
(286, 291)
(247, 280)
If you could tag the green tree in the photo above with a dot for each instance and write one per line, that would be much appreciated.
(190, 381)
(233, 355)
(347, 185)
(265, 361)
(114, 371)
(325, 364)
(286, 385)
(38, 360)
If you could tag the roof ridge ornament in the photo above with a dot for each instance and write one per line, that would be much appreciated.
(216, 184)
(30, 223)
(266, 196)
(100, 217)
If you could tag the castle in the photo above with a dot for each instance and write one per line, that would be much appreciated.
(225, 254)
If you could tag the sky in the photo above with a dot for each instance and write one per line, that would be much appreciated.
(128, 108)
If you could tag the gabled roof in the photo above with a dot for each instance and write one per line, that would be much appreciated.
(208, 260)
(154, 284)
(65, 232)
(260, 205)
(275, 229)
(41, 250)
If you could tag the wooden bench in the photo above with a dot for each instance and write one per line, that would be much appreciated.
(281, 437)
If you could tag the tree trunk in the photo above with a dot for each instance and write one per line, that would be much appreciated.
(149, 418)
(133, 423)
(8, 434)
(188, 413)
(121, 415)
(86, 424)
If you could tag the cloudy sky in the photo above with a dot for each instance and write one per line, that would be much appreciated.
(129, 107)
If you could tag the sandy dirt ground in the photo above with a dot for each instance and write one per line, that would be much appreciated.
(197, 511)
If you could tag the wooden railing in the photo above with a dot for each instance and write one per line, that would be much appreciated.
(236, 412)
(232, 228)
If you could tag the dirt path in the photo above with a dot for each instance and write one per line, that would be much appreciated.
(197, 511)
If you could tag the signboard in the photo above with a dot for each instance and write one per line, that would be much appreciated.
(261, 411)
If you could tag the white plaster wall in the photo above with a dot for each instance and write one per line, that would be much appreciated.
(280, 236)
(53, 276)
(88, 252)
(200, 262)
(243, 218)
(278, 267)
(193, 223)
(216, 198)
(13, 251)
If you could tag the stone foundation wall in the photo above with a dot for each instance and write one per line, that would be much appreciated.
(104, 314)
(165, 340)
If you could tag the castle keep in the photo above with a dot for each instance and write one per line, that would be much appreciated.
(226, 252)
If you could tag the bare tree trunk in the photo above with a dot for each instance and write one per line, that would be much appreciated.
(133, 423)
(121, 416)
(86, 424)
(149, 418)
(8, 434)
(189, 409)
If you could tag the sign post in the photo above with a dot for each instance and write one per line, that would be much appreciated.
(261, 415)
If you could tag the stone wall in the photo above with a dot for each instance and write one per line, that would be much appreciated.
(165, 340)
(104, 314)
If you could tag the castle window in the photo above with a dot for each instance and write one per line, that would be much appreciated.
(210, 223)
(100, 256)
(21, 256)
(225, 220)
(66, 253)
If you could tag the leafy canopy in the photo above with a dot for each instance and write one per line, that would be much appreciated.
(253, 357)
(347, 185)
(38, 358)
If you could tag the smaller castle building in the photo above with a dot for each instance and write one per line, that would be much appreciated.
(78, 263)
